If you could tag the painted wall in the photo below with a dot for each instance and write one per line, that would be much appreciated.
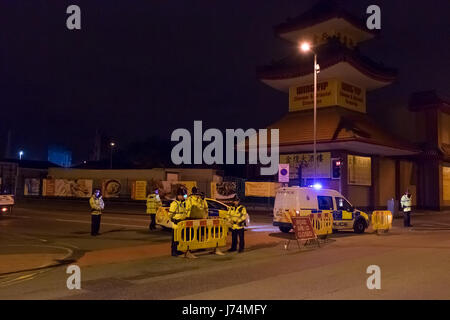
(203, 177)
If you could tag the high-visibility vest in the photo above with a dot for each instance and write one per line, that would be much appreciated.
(97, 205)
(406, 203)
(177, 210)
(237, 217)
(196, 207)
(153, 203)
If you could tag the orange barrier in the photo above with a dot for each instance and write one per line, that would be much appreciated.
(381, 220)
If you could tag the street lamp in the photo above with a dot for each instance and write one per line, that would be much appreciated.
(112, 145)
(306, 47)
(20, 154)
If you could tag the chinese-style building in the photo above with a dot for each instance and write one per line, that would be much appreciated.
(375, 165)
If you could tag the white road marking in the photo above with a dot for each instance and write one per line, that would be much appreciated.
(17, 280)
(105, 216)
(103, 224)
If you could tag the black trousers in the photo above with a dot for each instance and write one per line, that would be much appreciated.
(406, 218)
(95, 224)
(235, 233)
(152, 221)
(174, 244)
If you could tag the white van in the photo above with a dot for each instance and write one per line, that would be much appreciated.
(304, 201)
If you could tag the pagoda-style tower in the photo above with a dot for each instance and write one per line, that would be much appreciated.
(346, 135)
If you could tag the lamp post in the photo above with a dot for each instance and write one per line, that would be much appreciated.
(306, 47)
(112, 145)
(20, 154)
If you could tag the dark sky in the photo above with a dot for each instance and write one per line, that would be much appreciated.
(145, 67)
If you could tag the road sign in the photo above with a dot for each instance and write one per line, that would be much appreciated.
(303, 228)
(283, 172)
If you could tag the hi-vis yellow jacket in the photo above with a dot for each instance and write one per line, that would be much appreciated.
(153, 203)
(196, 207)
(97, 205)
(406, 203)
(177, 210)
(237, 216)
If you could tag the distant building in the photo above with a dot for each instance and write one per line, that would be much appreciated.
(23, 177)
(60, 156)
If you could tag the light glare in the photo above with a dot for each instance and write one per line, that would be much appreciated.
(305, 47)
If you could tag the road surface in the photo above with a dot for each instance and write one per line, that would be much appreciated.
(127, 261)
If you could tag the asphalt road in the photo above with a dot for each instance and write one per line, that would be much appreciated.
(40, 240)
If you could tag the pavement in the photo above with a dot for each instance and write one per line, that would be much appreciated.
(39, 241)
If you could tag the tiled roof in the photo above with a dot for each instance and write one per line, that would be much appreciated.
(335, 124)
(428, 100)
(322, 11)
(297, 65)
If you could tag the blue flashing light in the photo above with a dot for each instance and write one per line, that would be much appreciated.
(317, 186)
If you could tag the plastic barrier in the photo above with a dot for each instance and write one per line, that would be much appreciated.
(162, 218)
(201, 234)
(381, 220)
(322, 223)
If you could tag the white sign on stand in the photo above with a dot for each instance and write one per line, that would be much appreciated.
(283, 172)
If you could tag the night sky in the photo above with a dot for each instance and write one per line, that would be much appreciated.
(141, 68)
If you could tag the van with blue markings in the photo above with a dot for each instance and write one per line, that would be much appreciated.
(302, 201)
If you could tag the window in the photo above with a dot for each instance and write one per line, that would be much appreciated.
(216, 205)
(359, 170)
(446, 183)
(343, 204)
(325, 203)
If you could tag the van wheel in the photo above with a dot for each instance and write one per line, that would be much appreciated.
(285, 229)
(359, 226)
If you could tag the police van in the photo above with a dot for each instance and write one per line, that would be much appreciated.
(306, 200)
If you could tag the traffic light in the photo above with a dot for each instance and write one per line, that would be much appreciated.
(336, 167)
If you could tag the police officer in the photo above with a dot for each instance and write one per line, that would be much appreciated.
(237, 215)
(153, 203)
(177, 213)
(406, 203)
(196, 206)
(97, 205)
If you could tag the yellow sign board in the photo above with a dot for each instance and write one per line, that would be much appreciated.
(329, 93)
(140, 190)
(261, 189)
(305, 161)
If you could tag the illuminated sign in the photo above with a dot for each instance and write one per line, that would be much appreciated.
(329, 93)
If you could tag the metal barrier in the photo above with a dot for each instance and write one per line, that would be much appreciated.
(381, 220)
(201, 234)
(322, 222)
